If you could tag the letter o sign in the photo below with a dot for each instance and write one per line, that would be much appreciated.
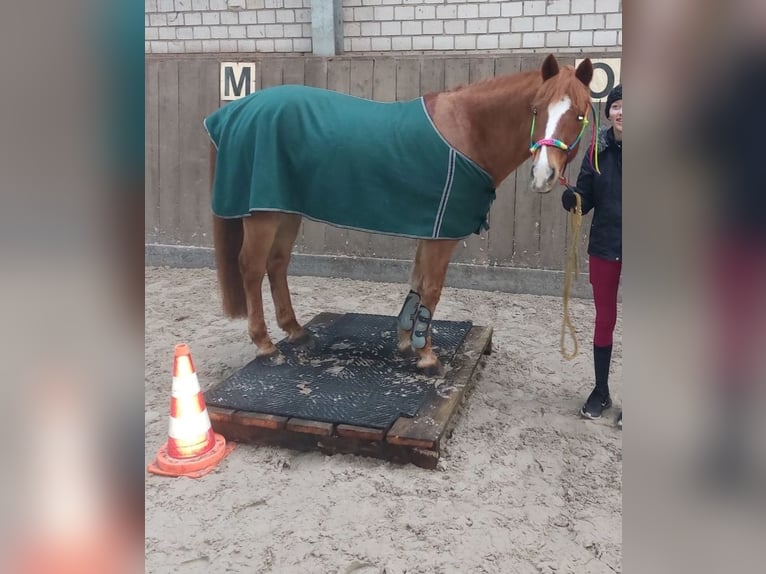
(606, 75)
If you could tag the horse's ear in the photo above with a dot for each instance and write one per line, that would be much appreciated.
(584, 71)
(550, 67)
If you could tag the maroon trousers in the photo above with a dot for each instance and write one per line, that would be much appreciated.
(738, 274)
(605, 279)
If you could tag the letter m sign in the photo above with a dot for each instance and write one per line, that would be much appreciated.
(237, 80)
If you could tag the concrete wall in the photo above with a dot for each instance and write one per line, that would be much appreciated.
(284, 26)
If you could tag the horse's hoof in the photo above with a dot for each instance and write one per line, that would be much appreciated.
(269, 357)
(432, 369)
(305, 339)
(406, 350)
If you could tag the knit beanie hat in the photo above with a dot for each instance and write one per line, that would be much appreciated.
(614, 95)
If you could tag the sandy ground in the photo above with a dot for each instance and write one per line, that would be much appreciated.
(524, 485)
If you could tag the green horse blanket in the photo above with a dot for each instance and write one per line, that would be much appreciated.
(374, 166)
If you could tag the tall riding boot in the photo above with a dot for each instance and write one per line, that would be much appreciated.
(599, 399)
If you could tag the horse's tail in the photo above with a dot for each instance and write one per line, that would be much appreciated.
(227, 243)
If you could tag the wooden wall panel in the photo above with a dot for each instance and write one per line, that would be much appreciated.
(526, 229)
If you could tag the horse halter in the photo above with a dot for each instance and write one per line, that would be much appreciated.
(534, 146)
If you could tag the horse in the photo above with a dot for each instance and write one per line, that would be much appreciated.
(485, 130)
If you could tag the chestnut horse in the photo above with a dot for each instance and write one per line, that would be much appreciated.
(497, 123)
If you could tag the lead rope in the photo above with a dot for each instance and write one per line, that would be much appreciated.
(572, 269)
(573, 261)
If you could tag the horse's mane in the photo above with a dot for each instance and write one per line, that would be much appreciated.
(551, 90)
(491, 83)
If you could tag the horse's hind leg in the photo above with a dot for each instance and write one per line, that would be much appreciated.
(434, 260)
(260, 230)
(279, 260)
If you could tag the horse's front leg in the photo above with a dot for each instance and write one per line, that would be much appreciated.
(434, 260)
(406, 318)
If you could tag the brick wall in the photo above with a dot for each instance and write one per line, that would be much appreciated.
(210, 26)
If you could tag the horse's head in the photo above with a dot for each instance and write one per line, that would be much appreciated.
(559, 115)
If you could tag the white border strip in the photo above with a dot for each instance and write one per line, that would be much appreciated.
(445, 195)
(457, 151)
(204, 124)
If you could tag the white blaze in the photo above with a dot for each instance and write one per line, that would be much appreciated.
(542, 169)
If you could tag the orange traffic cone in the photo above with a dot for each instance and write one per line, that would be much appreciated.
(192, 449)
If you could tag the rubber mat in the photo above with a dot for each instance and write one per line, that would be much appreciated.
(351, 374)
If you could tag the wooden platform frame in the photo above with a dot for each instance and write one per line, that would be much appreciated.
(416, 440)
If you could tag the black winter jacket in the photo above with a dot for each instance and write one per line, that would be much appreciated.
(604, 194)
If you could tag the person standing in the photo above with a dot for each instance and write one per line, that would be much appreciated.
(601, 191)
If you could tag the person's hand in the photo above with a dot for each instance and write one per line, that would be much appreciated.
(568, 199)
